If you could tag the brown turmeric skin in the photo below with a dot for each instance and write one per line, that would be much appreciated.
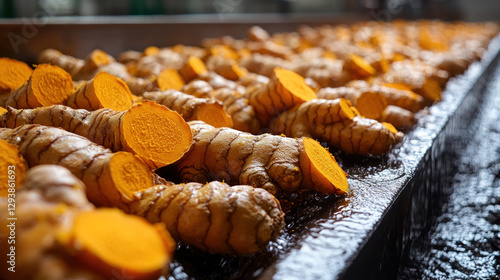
(156, 134)
(111, 178)
(275, 163)
(242, 114)
(13, 168)
(68, 63)
(46, 86)
(103, 91)
(334, 122)
(214, 217)
(13, 74)
(285, 90)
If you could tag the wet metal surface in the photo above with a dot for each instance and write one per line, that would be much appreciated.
(465, 243)
(391, 203)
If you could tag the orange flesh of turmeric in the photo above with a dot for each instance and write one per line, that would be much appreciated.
(397, 86)
(151, 50)
(390, 127)
(10, 159)
(295, 84)
(13, 74)
(99, 58)
(327, 175)
(360, 66)
(167, 138)
(112, 240)
(370, 105)
(129, 174)
(3, 110)
(51, 84)
(170, 79)
(214, 115)
(112, 92)
(192, 68)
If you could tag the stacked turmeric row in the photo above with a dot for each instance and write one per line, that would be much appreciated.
(205, 112)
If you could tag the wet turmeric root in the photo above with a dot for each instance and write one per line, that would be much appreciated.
(214, 217)
(79, 241)
(400, 118)
(103, 91)
(13, 168)
(111, 178)
(209, 110)
(275, 163)
(13, 74)
(46, 86)
(156, 134)
(335, 122)
(285, 90)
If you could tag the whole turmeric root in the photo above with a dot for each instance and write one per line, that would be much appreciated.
(242, 114)
(334, 122)
(153, 132)
(214, 217)
(46, 86)
(79, 241)
(275, 163)
(191, 108)
(111, 178)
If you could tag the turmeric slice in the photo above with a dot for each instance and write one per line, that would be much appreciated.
(103, 91)
(111, 178)
(170, 79)
(13, 168)
(156, 134)
(334, 122)
(369, 104)
(46, 86)
(242, 114)
(359, 67)
(106, 240)
(214, 217)
(95, 60)
(192, 69)
(209, 110)
(68, 63)
(13, 74)
(285, 90)
(277, 164)
(226, 68)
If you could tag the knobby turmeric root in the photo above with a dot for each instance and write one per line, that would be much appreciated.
(242, 114)
(156, 134)
(191, 108)
(275, 163)
(111, 178)
(13, 74)
(13, 168)
(335, 122)
(214, 217)
(46, 86)
(198, 88)
(400, 118)
(285, 90)
(103, 91)
(79, 241)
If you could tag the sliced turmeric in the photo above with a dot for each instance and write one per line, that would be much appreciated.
(47, 85)
(68, 63)
(214, 217)
(285, 90)
(156, 134)
(103, 91)
(277, 164)
(192, 69)
(226, 68)
(359, 67)
(13, 168)
(209, 110)
(334, 122)
(242, 114)
(110, 177)
(13, 74)
(170, 79)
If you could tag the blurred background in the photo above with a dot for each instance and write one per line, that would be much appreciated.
(478, 10)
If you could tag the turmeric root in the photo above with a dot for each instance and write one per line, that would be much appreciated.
(103, 91)
(79, 241)
(226, 68)
(111, 178)
(400, 118)
(214, 217)
(285, 90)
(216, 81)
(13, 167)
(242, 114)
(47, 85)
(359, 67)
(156, 134)
(70, 64)
(191, 108)
(192, 69)
(277, 164)
(198, 88)
(334, 122)
(369, 104)
(13, 74)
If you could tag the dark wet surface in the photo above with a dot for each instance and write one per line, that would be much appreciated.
(391, 203)
(465, 242)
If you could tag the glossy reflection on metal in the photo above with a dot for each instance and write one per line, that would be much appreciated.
(392, 201)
